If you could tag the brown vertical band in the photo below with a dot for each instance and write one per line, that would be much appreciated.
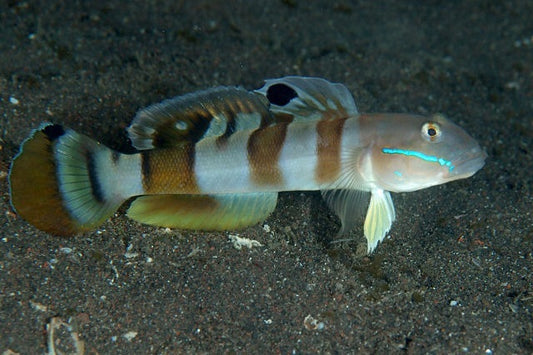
(264, 148)
(329, 135)
(169, 171)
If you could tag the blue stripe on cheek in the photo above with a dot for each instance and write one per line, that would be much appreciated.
(414, 153)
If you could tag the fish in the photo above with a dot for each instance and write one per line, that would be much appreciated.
(216, 160)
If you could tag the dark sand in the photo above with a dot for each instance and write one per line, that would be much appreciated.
(456, 274)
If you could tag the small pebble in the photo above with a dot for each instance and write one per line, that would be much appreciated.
(129, 335)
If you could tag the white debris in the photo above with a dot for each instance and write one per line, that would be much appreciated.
(129, 335)
(311, 323)
(266, 228)
(38, 306)
(14, 100)
(193, 252)
(129, 255)
(239, 242)
(513, 85)
(453, 303)
(523, 42)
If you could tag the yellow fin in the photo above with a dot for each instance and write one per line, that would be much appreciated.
(213, 112)
(33, 186)
(379, 218)
(203, 212)
(54, 183)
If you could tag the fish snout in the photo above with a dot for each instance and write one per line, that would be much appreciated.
(468, 163)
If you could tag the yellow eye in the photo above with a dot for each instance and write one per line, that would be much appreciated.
(431, 132)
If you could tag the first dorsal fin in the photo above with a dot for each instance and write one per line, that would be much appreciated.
(214, 112)
(307, 98)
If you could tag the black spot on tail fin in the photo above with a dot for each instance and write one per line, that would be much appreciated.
(53, 131)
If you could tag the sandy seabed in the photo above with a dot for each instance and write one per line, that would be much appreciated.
(456, 274)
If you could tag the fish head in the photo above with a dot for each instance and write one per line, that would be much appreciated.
(412, 152)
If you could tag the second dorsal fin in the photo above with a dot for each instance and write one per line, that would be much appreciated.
(214, 112)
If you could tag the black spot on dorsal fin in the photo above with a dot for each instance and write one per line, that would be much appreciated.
(307, 98)
(280, 94)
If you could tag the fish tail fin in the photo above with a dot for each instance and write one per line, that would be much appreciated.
(59, 184)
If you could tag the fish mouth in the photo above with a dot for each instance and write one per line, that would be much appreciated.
(469, 165)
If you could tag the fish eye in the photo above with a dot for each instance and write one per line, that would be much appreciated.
(431, 132)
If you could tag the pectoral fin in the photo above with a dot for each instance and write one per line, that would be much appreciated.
(203, 212)
(348, 205)
(379, 218)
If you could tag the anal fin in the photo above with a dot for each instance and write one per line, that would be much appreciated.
(203, 212)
